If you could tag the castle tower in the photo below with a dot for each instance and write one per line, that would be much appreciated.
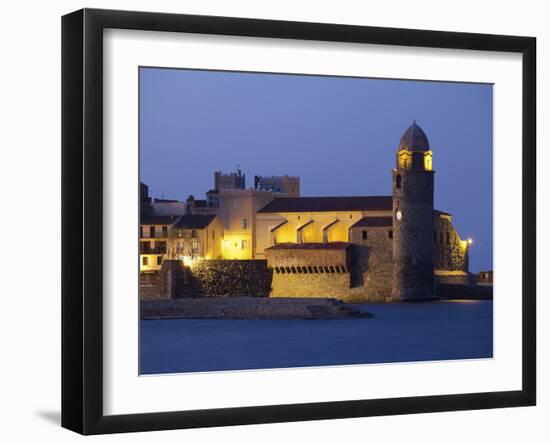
(413, 204)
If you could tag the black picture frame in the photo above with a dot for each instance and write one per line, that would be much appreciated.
(82, 215)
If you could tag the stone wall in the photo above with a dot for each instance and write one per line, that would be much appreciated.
(450, 252)
(149, 286)
(372, 267)
(225, 278)
(228, 278)
(455, 277)
(172, 273)
(330, 285)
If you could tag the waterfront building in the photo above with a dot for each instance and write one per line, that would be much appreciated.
(153, 240)
(186, 237)
(196, 236)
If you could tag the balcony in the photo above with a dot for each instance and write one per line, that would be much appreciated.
(152, 251)
(156, 234)
(146, 248)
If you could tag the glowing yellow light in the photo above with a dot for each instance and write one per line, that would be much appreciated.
(428, 161)
(191, 261)
(470, 241)
(237, 246)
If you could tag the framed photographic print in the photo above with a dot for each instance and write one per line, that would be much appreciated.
(268, 221)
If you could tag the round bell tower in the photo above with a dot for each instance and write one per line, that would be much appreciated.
(413, 227)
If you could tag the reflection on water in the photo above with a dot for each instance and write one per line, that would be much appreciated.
(399, 332)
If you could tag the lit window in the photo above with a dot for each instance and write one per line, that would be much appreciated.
(427, 162)
(244, 244)
(194, 247)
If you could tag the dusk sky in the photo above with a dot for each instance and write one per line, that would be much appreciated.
(338, 134)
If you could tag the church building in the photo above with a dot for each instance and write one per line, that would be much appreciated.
(372, 248)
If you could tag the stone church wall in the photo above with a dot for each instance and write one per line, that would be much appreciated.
(450, 255)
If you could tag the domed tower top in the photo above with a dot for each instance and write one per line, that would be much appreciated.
(414, 139)
(413, 151)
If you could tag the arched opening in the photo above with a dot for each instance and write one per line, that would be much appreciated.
(398, 181)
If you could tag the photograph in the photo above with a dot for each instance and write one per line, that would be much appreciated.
(292, 220)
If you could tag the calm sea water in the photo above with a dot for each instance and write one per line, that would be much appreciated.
(399, 332)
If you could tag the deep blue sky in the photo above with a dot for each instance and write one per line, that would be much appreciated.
(338, 134)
